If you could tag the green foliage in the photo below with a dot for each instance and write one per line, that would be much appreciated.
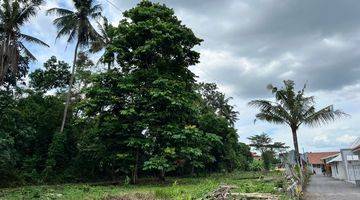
(215, 100)
(7, 158)
(179, 188)
(31, 122)
(256, 165)
(60, 155)
(267, 158)
(147, 117)
(56, 75)
(157, 163)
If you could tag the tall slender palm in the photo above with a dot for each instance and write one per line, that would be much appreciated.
(77, 26)
(103, 42)
(293, 109)
(13, 15)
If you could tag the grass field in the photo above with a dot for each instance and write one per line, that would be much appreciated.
(176, 188)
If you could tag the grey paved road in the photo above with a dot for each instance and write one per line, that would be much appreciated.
(326, 188)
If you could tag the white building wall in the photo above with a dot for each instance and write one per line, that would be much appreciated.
(338, 171)
(354, 170)
(318, 170)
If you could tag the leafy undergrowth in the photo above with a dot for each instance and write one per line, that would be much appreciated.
(179, 188)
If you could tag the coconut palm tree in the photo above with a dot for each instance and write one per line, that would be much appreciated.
(103, 42)
(77, 27)
(294, 109)
(14, 55)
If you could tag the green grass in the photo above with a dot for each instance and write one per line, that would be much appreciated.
(178, 188)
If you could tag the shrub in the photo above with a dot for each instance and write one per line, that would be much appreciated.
(256, 165)
(267, 157)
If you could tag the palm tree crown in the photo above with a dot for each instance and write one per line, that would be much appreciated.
(293, 108)
(13, 15)
(76, 24)
(104, 42)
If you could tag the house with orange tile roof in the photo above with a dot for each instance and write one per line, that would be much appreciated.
(346, 164)
(315, 163)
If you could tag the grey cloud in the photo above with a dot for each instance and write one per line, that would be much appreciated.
(264, 31)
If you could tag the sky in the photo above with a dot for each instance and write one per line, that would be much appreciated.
(249, 44)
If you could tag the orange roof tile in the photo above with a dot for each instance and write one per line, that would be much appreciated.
(315, 158)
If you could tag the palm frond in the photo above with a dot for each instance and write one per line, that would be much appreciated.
(96, 8)
(76, 23)
(26, 51)
(32, 39)
(323, 116)
(262, 104)
(66, 20)
(72, 36)
(96, 15)
(25, 14)
(270, 117)
(64, 31)
(59, 11)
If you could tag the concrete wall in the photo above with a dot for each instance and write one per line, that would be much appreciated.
(338, 170)
(354, 170)
(352, 167)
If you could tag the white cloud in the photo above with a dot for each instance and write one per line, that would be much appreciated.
(348, 139)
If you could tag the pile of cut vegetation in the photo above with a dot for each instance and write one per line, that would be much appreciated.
(224, 193)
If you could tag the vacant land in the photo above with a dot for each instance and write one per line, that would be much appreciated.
(175, 188)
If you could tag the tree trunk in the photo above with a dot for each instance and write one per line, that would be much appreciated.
(135, 172)
(70, 88)
(162, 176)
(3, 69)
(109, 67)
(296, 145)
(297, 153)
(192, 170)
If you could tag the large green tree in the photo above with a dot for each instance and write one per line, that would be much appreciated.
(155, 49)
(113, 142)
(293, 109)
(77, 26)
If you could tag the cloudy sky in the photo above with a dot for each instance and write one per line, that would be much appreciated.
(251, 43)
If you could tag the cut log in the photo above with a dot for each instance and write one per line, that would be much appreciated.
(255, 196)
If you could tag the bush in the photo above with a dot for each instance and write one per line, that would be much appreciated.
(256, 165)
(267, 157)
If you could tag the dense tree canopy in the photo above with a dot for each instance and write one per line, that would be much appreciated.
(145, 115)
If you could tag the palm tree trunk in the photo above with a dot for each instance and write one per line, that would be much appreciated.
(297, 155)
(296, 145)
(70, 88)
(2, 67)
